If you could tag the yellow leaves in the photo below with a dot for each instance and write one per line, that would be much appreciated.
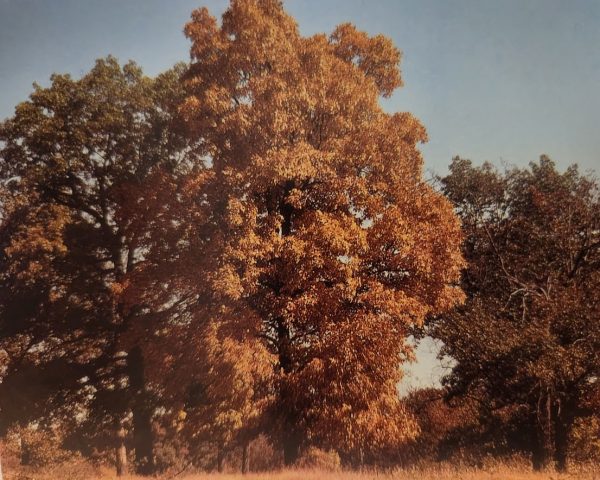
(37, 241)
(329, 245)
(228, 283)
(235, 374)
(203, 29)
(118, 288)
(376, 57)
(276, 166)
(334, 235)
(216, 100)
(296, 199)
(190, 108)
(235, 212)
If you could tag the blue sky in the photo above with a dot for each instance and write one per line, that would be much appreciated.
(497, 80)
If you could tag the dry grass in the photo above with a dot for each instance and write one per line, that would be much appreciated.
(501, 472)
(446, 474)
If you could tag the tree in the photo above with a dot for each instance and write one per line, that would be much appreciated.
(90, 164)
(327, 243)
(231, 393)
(526, 340)
(444, 428)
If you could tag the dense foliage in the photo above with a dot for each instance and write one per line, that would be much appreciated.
(526, 341)
(227, 262)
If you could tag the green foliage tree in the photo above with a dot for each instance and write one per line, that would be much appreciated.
(526, 342)
(87, 166)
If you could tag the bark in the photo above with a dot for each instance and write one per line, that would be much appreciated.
(220, 459)
(143, 438)
(543, 450)
(245, 458)
(562, 429)
(291, 438)
(291, 448)
(121, 453)
(539, 458)
(1, 477)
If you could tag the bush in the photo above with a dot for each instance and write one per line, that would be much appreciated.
(315, 458)
(585, 440)
(263, 456)
(36, 447)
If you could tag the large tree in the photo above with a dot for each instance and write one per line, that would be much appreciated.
(328, 245)
(526, 342)
(88, 166)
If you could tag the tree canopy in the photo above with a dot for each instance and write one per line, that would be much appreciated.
(87, 166)
(329, 244)
(526, 341)
(242, 246)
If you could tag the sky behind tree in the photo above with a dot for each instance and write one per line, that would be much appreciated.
(503, 81)
(491, 80)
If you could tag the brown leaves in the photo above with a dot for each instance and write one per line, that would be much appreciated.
(37, 243)
(331, 246)
(376, 57)
(529, 326)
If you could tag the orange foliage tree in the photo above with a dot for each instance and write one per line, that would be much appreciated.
(328, 245)
(232, 393)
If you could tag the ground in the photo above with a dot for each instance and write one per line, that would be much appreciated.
(500, 472)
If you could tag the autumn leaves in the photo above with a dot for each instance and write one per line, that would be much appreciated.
(255, 229)
(331, 246)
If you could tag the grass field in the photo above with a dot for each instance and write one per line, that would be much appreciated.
(433, 473)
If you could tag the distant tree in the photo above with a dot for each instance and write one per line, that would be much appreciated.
(232, 393)
(527, 339)
(87, 167)
(441, 424)
(585, 436)
(328, 245)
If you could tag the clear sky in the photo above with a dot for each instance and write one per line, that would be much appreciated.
(497, 80)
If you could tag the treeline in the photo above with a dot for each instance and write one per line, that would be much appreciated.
(236, 252)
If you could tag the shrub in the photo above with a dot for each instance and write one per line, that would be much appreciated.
(318, 459)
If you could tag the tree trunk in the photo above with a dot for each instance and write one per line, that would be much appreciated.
(562, 431)
(291, 437)
(143, 440)
(121, 453)
(543, 450)
(540, 459)
(245, 458)
(1, 477)
(220, 459)
(25, 451)
(291, 448)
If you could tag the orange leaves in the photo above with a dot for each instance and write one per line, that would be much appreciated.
(203, 28)
(328, 244)
(37, 242)
(235, 377)
(377, 57)
(299, 161)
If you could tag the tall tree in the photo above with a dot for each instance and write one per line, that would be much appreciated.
(91, 162)
(526, 342)
(328, 244)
